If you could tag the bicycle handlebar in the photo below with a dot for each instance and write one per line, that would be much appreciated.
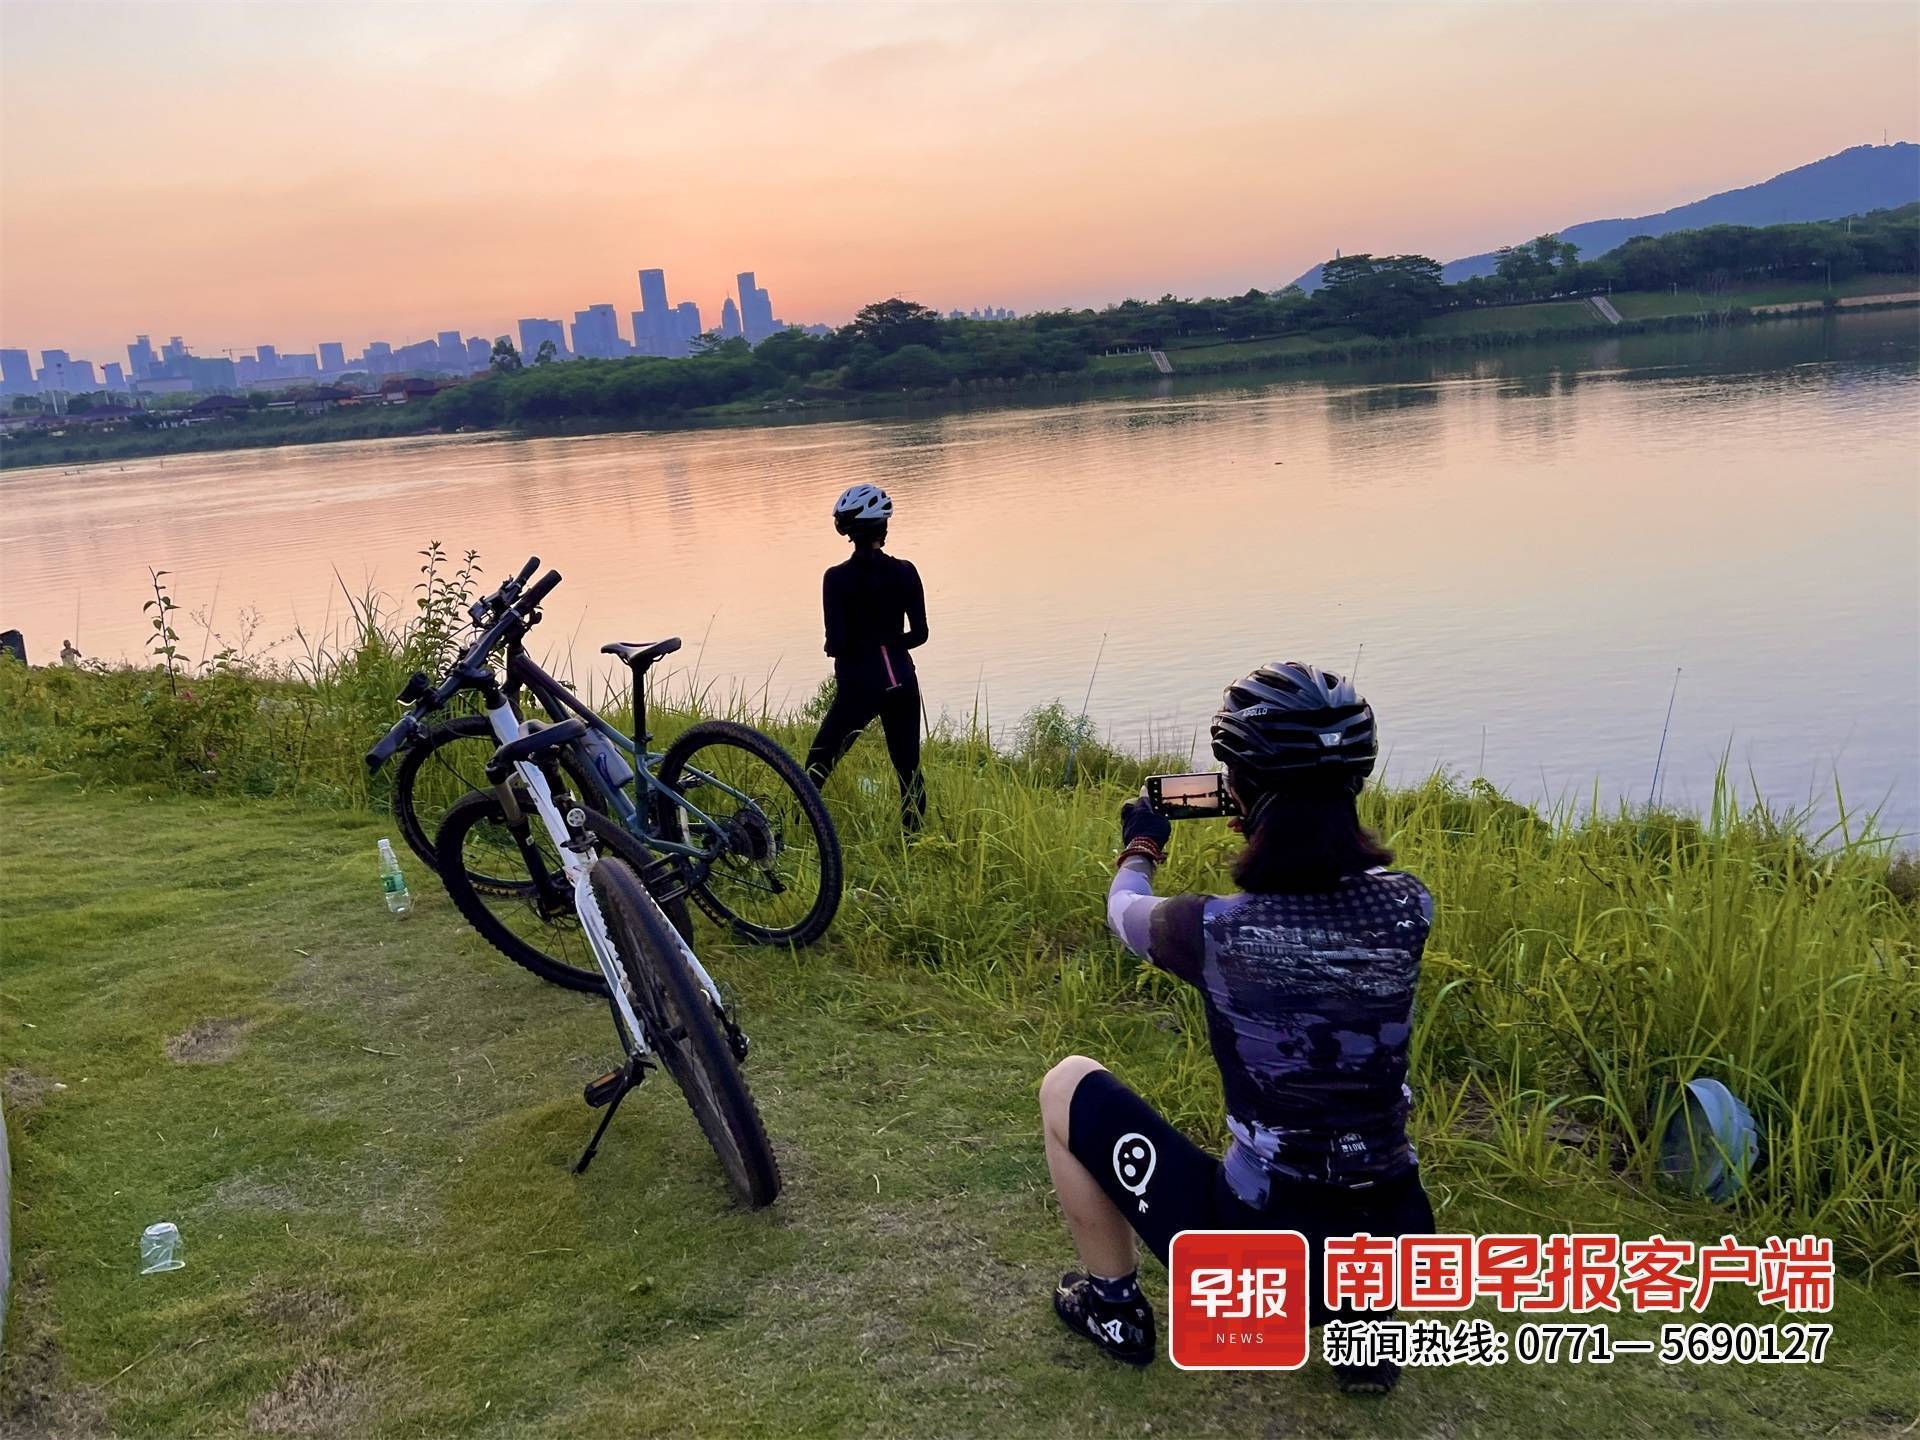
(540, 591)
(511, 611)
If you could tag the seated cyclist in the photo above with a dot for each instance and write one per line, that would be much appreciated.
(1307, 975)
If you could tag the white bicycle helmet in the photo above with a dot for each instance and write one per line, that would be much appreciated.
(861, 508)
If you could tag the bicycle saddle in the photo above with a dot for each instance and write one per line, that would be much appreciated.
(638, 653)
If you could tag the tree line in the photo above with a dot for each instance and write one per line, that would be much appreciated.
(895, 345)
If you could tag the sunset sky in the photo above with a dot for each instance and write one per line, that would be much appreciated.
(290, 173)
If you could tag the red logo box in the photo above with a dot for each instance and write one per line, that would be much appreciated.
(1239, 1300)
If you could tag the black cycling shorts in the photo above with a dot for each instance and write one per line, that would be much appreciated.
(1164, 1183)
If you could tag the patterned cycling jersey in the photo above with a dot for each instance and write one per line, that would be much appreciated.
(1309, 1003)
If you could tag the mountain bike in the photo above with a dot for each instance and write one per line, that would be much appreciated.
(667, 1010)
(731, 814)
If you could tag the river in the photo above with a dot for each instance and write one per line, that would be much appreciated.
(1517, 550)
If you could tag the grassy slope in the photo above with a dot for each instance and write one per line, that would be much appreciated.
(392, 1241)
(1543, 318)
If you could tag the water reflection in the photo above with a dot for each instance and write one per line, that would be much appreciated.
(1521, 543)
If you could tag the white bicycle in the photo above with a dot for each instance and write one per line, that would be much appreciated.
(667, 1010)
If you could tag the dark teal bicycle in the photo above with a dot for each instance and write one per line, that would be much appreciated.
(723, 816)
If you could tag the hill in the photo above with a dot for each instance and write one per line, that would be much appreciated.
(1867, 177)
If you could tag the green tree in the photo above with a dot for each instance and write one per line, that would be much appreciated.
(547, 353)
(1385, 295)
(506, 356)
(888, 325)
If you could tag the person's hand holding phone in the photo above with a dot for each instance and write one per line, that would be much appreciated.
(1143, 833)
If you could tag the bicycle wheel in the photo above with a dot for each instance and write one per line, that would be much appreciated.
(685, 1034)
(774, 871)
(449, 762)
(531, 920)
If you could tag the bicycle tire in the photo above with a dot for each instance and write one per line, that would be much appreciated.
(685, 1036)
(482, 807)
(809, 927)
(421, 830)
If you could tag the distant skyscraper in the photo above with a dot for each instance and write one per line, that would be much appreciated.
(756, 309)
(378, 358)
(174, 349)
(479, 352)
(269, 357)
(16, 372)
(453, 350)
(534, 332)
(729, 320)
(687, 325)
(140, 361)
(653, 329)
(333, 357)
(112, 377)
(596, 333)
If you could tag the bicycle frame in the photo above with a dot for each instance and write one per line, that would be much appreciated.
(559, 702)
(577, 861)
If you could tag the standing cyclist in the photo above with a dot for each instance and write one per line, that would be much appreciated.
(1306, 974)
(876, 613)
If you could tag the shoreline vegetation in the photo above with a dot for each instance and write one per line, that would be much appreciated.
(1592, 962)
(897, 353)
(364, 1126)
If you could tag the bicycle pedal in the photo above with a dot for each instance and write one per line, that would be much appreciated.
(607, 1088)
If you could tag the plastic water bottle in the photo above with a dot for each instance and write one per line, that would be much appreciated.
(399, 898)
(160, 1248)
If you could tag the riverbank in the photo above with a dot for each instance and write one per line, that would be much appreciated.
(364, 1127)
(1492, 328)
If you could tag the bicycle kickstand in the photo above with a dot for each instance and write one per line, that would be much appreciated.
(608, 1091)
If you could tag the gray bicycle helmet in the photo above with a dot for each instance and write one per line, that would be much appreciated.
(861, 509)
(1290, 718)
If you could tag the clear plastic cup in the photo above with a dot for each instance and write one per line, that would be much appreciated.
(160, 1248)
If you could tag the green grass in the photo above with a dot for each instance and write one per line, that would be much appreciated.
(1658, 304)
(367, 1146)
(1546, 318)
(366, 1140)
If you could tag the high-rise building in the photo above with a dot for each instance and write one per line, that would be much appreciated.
(729, 320)
(378, 357)
(269, 357)
(333, 357)
(112, 377)
(453, 350)
(174, 349)
(687, 325)
(756, 309)
(652, 322)
(16, 372)
(479, 352)
(534, 333)
(596, 333)
(140, 361)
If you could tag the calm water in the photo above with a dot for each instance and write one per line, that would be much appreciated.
(1519, 550)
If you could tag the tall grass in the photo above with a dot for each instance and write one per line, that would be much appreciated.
(1582, 968)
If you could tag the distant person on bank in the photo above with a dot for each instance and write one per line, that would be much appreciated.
(1307, 976)
(876, 615)
(69, 654)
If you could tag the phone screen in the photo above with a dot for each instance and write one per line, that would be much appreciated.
(1189, 797)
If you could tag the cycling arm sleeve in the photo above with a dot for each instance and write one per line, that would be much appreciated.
(1131, 903)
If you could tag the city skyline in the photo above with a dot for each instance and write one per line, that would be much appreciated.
(659, 329)
(940, 152)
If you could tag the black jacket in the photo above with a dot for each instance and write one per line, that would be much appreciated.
(876, 612)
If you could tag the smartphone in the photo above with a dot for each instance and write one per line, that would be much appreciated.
(1200, 796)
